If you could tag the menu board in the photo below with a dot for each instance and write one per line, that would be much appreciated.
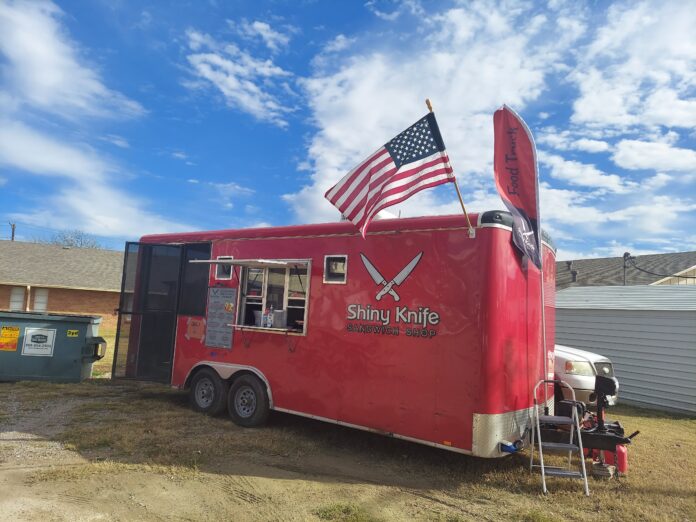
(222, 304)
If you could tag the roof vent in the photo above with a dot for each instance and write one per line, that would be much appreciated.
(66, 247)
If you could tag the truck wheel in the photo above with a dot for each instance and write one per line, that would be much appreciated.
(208, 392)
(248, 401)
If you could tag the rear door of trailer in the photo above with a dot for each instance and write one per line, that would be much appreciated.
(158, 284)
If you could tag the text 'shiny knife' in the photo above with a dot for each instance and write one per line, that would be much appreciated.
(377, 277)
(401, 276)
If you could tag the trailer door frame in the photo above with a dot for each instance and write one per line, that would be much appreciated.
(147, 310)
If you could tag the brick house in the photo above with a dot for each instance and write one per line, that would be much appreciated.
(57, 279)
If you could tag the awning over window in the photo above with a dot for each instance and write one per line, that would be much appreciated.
(251, 263)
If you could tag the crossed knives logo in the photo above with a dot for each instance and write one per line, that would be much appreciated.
(388, 287)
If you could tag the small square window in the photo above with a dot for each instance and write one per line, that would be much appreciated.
(335, 269)
(223, 271)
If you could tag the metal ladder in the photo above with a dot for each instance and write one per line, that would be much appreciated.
(574, 444)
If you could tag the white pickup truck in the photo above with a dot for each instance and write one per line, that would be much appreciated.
(578, 368)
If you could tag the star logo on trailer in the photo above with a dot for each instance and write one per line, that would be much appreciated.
(388, 287)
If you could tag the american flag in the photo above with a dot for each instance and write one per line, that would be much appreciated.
(413, 161)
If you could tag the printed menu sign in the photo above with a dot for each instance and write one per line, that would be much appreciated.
(39, 341)
(222, 304)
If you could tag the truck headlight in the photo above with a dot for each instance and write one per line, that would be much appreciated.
(579, 368)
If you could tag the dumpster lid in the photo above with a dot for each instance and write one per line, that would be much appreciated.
(47, 316)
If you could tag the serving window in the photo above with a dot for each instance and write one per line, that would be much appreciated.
(275, 296)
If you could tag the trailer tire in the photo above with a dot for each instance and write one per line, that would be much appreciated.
(247, 402)
(208, 392)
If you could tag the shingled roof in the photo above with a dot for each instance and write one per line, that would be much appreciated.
(54, 266)
(608, 271)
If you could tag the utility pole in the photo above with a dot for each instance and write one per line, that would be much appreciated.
(13, 225)
(626, 257)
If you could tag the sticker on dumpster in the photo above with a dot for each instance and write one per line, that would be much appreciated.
(39, 342)
(73, 333)
(9, 336)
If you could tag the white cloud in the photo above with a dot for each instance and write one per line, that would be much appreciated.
(85, 195)
(24, 148)
(635, 155)
(229, 191)
(640, 69)
(655, 214)
(114, 139)
(370, 97)
(340, 43)
(568, 140)
(44, 67)
(617, 249)
(232, 189)
(582, 174)
(273, 39)
(657, 181)
(568, 207)
(180, 155)
(588, 145)
(413, 7)
(248, 84)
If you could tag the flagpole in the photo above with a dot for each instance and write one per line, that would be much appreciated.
(540, 245)
(456, 185)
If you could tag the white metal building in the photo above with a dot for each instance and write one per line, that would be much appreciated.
(649, 333)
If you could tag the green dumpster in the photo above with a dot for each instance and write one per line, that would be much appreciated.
(48, 347)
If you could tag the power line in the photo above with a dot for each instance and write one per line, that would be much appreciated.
(631, 259)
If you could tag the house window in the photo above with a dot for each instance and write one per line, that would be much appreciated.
(274, 297)
(40, 300)
(17, 298)
(223, 272)
(335, 269)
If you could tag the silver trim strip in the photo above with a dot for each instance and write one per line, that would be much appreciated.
(509, 229)
(373, 430)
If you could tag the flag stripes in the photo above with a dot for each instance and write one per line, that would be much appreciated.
(411, 162)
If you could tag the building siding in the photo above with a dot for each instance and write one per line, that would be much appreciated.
(66, 300)
(688, 278)
(653, 351)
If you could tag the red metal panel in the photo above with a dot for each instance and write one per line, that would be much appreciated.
(482, 358)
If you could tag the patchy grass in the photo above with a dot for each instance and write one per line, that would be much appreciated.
(536, 515)
(87, 471)
(345, 513)
(127, 427)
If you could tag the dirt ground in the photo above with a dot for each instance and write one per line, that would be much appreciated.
(104, 450)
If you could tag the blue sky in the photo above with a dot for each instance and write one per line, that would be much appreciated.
(124, 118)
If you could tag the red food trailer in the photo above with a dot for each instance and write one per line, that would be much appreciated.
(419, 331)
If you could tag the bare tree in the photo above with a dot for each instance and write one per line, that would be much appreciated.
(73, 239)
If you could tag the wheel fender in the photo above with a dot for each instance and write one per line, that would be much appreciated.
(227, 370)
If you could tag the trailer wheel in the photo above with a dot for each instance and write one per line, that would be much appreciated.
(208, 392)
(247, 402)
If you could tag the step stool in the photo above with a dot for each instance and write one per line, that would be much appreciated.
(573, 446)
